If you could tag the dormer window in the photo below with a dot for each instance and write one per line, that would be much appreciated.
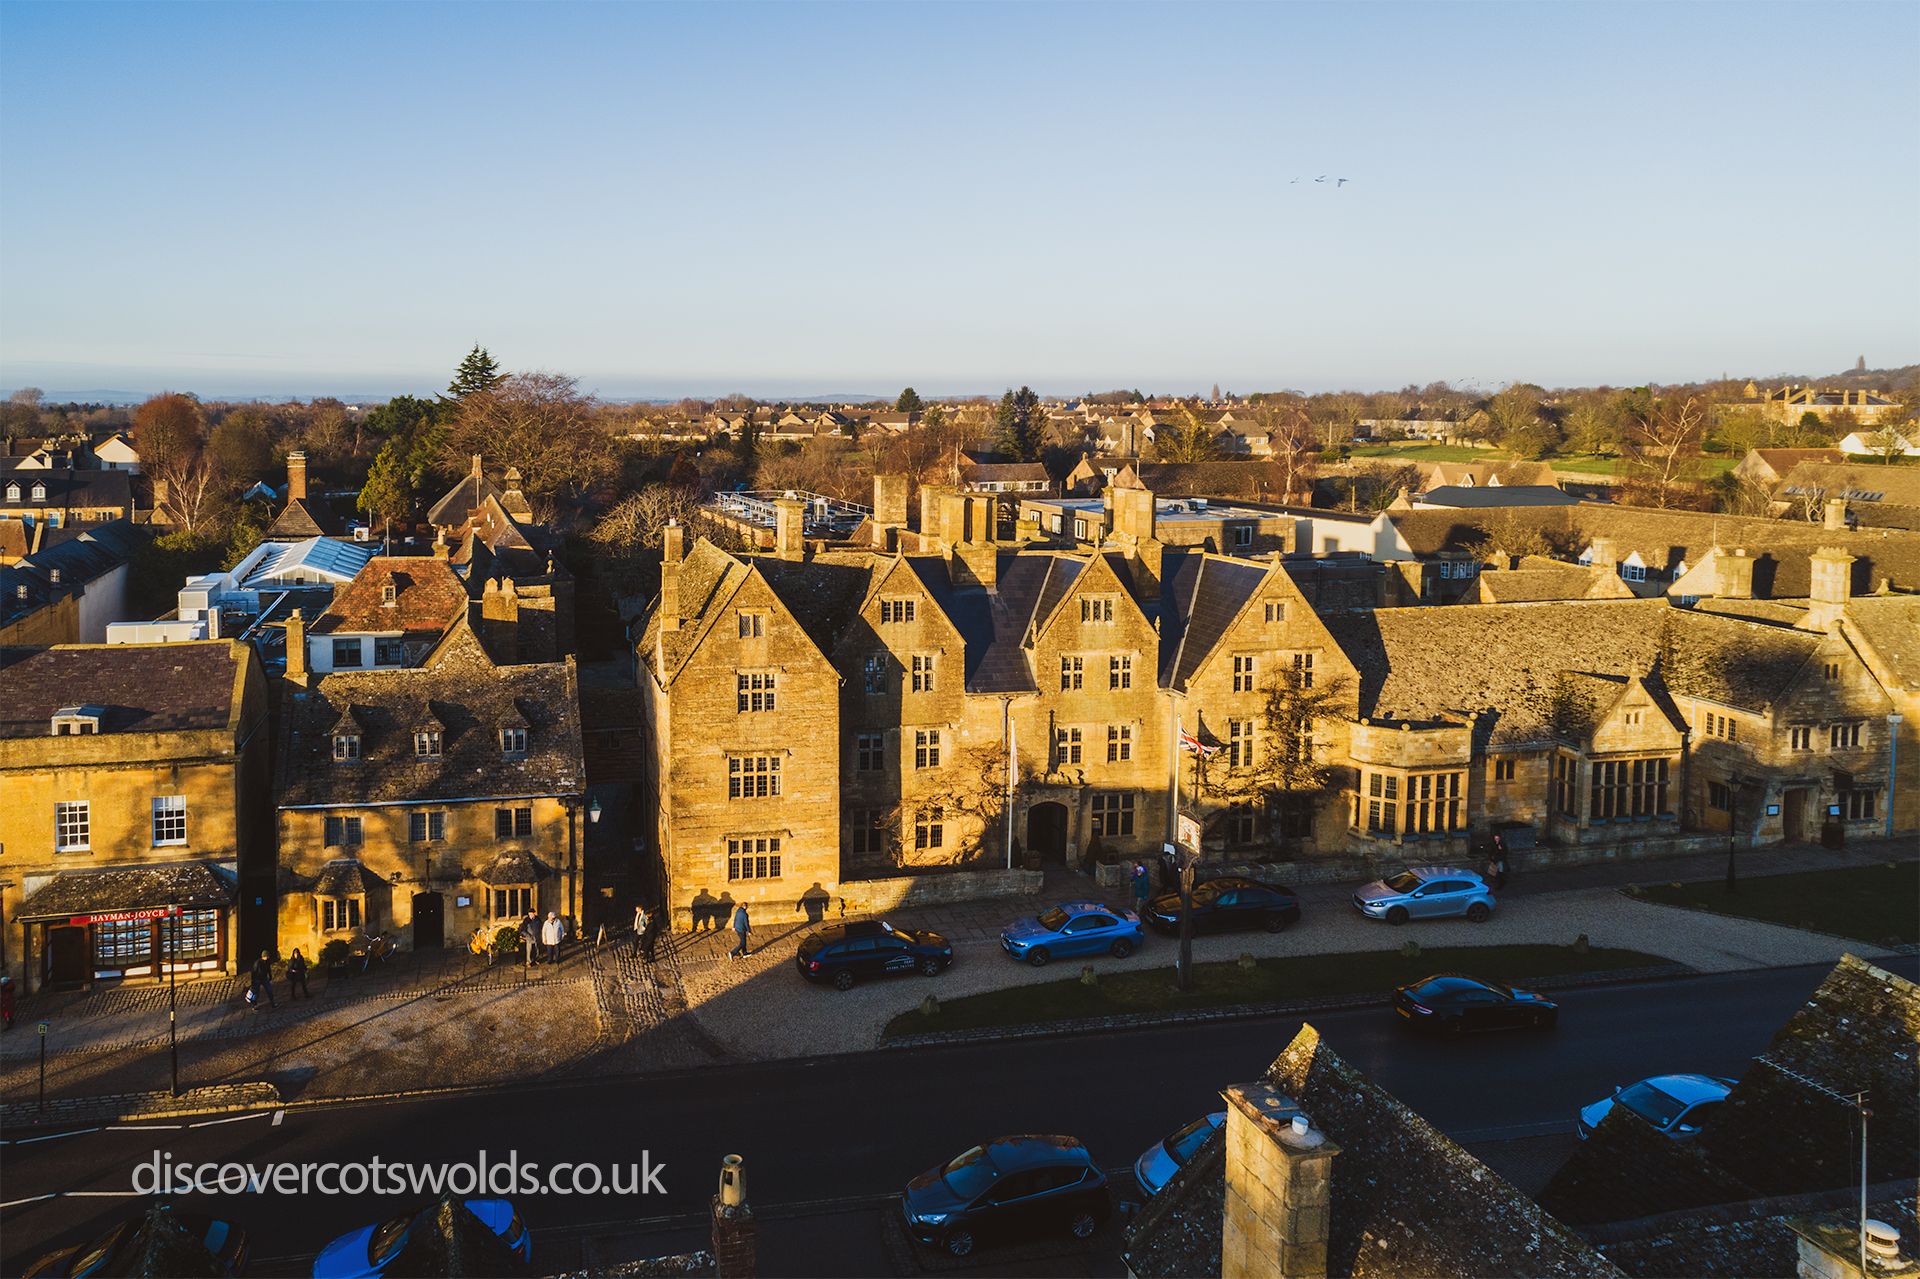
(513, 743)
(346, 747)
(77, 721)
(39, 492)
(13, 492)
(389, 595)
(426, 744)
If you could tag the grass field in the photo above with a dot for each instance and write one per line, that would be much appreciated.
(1875, 903)
(1216, 985)
(1572, 463)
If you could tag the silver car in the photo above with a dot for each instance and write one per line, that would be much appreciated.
(1426, 892)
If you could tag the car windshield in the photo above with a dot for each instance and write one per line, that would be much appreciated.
(1405, 882)
(1181, 1145)
(1054, 920)
(1206, 893)
(98, 1253)
(387, 1239)
(1652, 1105)
(970, 1174)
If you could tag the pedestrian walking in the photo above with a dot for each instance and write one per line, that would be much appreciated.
(6, 1003)
(740, 926)
(550, 935)
(1142, 887)
(530, 937)
(649, 936)
(297, 976)
(262, 978)
(639, 925)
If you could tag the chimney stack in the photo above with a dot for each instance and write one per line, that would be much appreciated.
(733, 1226)
(1835, 513)
(1605, 554)
(1831, 586)
(790, 527)
(673, 548)
(1279, 1182)
(296, 648)
(296, 476)
(1734, 571)
(890, 501)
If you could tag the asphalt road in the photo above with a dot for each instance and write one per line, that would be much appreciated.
(829, 1137)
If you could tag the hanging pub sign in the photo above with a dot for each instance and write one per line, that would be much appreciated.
(1187, 832)
(123, 916)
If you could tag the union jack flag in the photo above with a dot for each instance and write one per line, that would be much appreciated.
(1188, 742)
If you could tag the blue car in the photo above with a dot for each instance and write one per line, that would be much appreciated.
(367, 1252)
(1073, 928)
(1154, 1169)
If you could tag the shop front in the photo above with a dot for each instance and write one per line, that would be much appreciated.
(128, 924)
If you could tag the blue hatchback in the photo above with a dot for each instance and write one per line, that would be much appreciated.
(1073, 928)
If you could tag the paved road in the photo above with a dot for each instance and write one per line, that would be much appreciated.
(838, 1132)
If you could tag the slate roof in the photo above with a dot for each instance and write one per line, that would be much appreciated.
(1465, 498)
(1386, 1217)
(1890, 625)
(80, 892)
(428, 598)
(302, 518)
(468, 701)
(1220, 588)
(457, 504)
(66, 487)
(341, 877)
(80, 554)
(146, 688)
(1664, 539)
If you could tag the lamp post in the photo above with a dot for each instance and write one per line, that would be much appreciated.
(173, 998)
(1733, 822)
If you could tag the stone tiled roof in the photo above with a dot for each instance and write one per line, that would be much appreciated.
(468, 701)
(146, 688)
(1482, 473)
(1665, 539)
(80, 892)
(1249, 479)
(1550, 581)
(1404, 1198)
(457, 504)
(1751, 1240)
(515, 866)
(428, 598)
(1464, 497)
(1856, 482)
(1890, 626)
(341, 877)
(302, 518)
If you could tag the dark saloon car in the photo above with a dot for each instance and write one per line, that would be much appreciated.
(132, 1243)
(1010, 1188)
(846, 953)
(1453, 1004)
(1227, 904)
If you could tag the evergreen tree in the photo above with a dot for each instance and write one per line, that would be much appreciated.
(1019, 425)
(478, 372)
(909, 402)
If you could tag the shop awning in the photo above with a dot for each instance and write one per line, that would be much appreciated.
(194, 885)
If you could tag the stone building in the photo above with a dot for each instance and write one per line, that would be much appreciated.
(510, 563)
(429, 800)
(135, 781)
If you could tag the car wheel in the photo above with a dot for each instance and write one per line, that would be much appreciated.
(1276, 923)
(1397, 916)
(1478, 913)
(1083, 1226)
(843, 980)
(960, 1243)
(1121, 948)
(1038, 957)
(929, 967)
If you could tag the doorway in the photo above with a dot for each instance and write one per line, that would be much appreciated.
(67, 957)
(429, 921)
(1793, 815)
(1047, 833)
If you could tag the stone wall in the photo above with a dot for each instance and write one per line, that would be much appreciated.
(871, 896)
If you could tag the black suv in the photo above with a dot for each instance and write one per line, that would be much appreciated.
(846, 953)
(1009, 1188)
(1230, 902)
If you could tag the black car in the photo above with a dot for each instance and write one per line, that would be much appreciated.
(1010, 1188)
(1452, 1004)
(133, 1242)
(846, 953)
(1226, 904)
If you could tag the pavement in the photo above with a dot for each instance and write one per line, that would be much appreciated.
(440, 1019)
(828, 1141)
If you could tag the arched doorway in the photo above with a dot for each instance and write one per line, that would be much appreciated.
(1047, 833)
(429, 921)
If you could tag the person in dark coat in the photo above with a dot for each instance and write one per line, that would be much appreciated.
(740, 926)
(530, 937)
(6, 1003)
(297, 976)
(1142, 887)
(262, 978)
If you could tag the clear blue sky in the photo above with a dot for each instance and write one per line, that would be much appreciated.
(816, 198)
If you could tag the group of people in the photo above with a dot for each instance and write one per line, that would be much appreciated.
(260, 979)
(542, 938)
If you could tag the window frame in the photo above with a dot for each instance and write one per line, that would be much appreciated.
(73, 826)
(175, 810)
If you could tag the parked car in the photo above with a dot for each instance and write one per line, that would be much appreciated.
(1228, 903)
(1009, 1188)
(846, 953)
(1676, 1105)
(1427, 892)
(1156, 1167)
(113, 1252)
(1072, 928)
(367, 1252)
(1451, 1004)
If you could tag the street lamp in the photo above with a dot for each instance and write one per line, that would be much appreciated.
(593, 811)
(1733, 822)
(173, 999)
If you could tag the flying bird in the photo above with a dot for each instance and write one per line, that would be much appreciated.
(1342, 182)
(1321, 178)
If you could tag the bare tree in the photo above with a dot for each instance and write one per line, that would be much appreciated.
(1887, 443)
(973, 787)
(1663, 449)
(1289, 429)
(539, 424)
(191, 484)
(1189, 439)
(1282, 765)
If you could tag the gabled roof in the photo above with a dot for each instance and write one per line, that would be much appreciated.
(1467, 497)
(1546, 580)
(66, 487)
(457, 504)
(1889, 627)
(300, 520)
(428, 598)
(1220, 589)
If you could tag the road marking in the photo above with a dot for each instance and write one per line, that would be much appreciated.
(52, 1136)
(278, 1115)
(143, 1127)
(230, 1119)
(99, 1194)
(30, 1199)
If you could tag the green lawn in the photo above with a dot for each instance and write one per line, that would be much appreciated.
(1219, 984)
(1432, 452)
(1874, 903)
